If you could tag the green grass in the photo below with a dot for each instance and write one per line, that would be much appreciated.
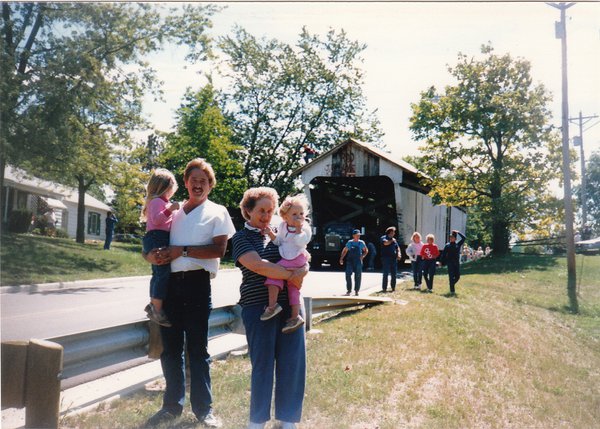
(507, 352)
(34, 259)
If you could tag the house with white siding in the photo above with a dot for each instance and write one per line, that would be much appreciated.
(24, 191)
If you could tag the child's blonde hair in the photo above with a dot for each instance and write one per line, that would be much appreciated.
(160, 182)
(430, 236)
(294, 200)
(415, 234)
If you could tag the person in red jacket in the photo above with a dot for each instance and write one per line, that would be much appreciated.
(429, 255)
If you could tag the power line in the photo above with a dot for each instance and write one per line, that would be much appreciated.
(593, 125)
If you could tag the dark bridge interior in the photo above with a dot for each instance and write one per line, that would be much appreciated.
(367, 202)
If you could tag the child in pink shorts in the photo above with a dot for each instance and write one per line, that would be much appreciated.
(293, 235)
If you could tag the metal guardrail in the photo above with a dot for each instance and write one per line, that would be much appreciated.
(93, 354)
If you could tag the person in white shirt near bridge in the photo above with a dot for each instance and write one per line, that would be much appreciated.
(414, 253)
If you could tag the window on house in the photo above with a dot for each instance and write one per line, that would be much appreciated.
(371, 165)
(93, 223)
(22, 198)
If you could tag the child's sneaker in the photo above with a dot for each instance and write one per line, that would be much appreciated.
(157, 316)
(292, 325)
(269, 312)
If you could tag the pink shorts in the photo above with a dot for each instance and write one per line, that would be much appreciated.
(293, 292)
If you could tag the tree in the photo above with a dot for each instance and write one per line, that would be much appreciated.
(488, 141)
(592, 174)
(73, 76)
(284, 98)
(128, 183)
(202, 131)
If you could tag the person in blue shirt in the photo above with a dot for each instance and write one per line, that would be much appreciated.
(451, 258)
(111, 220)
(354, 251)
(389, 255)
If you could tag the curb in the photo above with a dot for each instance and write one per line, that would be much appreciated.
(75, 284)
(34, 288)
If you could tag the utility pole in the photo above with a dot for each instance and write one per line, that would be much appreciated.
(579, 142)
(561, 33)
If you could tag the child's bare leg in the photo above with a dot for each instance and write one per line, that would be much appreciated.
(157, 303)
(273, 294)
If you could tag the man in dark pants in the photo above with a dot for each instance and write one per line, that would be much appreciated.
(111, 220)
(194, 254)
(356, 249)
(389, 255)
(451, 258)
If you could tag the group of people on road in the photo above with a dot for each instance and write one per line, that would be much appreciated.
(184, 243)
(425, 257)
(354, 252)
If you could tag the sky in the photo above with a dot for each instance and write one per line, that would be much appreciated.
(409, 48)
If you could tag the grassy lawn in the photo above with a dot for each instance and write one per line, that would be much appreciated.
(507, 352)
(33, 259)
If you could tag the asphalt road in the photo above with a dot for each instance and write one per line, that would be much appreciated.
(46, 312)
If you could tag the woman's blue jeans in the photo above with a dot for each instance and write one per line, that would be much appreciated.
(417, 269)
(276, 358)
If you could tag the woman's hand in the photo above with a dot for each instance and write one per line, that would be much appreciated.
(297, 276)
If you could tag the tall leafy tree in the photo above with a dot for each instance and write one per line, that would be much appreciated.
(202, 131)
(130, 173)
(488, 141)
(128, 183)
(282, 98)
(592, 173)
(73, 76)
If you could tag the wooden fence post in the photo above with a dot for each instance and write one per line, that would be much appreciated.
(155, 346)
(42, 384)
(14, 366)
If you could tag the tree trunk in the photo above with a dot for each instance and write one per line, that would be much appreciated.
(2, 196)
(499, 221)
(82, 188)
(500, 236)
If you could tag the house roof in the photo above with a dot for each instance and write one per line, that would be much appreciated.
(368, 148)
(24, 181)
(56, 204)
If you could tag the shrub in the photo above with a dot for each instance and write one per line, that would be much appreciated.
(61, 233)
(19, 220)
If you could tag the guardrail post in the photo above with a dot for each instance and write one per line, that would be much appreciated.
(308, 312)
(237, 327)
(14, 366)
(155, 346)
(42, 384)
